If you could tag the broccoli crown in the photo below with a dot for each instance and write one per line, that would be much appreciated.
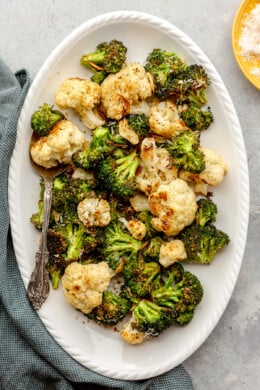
(102, 143)
(44, 119)
(66, 194)
(146, 217)
(139, 123)
(196, 118)
(184, 150)
(206, 211)
(91, 241)
(118, 173)
(108, 57)
(66, 240)
(37, 218)
(151, 250)
(182, 297)
(189, 85)
(175, 271)
(141, 277)
(202, 243)
(118, 245)
(152, 318)
(112, 310)
(162, 64)
(55, 267)
(98, 76)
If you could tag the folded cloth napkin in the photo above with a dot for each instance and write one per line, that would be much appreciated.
(29, 357)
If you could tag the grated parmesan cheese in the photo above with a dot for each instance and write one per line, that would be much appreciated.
(249, 41)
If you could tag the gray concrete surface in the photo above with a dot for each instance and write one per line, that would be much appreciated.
(30, 30)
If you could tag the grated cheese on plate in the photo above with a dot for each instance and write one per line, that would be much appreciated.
(249, 41)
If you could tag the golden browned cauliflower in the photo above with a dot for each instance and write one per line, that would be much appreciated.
(58, 147)
(156, 167)
(173, 206)
(136, 228)
(126, 88)
(139, 202)
(94, 212)
(127, 132)
(131, 335)
(84, 97)
(172, 251)
(213, 174)
(84, 284)
(164, 119)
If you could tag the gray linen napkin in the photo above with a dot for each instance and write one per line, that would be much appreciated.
(29, 356)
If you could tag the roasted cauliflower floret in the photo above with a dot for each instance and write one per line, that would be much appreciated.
(172, 251)
(127, 132)
(173, 206)
(142, 107)
(126, 88)
(139, 202)
(84, 284)
(58, 147)
(164, 119)
(131, 335)
(137, 229)
(155, 168)
(213, 174)
(83, 96)
(94, 212)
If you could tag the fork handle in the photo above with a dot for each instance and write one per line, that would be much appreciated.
(39, 284)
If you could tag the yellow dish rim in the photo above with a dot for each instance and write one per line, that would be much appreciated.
(245, 65)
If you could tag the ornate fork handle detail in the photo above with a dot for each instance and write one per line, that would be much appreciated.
(39, 284)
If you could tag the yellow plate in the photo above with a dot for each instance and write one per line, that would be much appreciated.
(246, 66)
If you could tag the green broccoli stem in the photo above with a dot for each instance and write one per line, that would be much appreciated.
(75, 238)
(127, 166)
(55, 277)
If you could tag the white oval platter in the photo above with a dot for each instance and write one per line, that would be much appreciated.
(99, 349)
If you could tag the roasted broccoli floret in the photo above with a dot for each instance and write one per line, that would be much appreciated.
(118, 245)
(146, 217)
(112, 310)
(163, 64)
(66, 194)
(206, 211)
(109, 57)
(151, 249)
(66, 240)
(185, 152)
(102, 144)
(37, 218)
(181, 297)
(202, 243)
(118, 173)
(175, 271)
(139, 123)
(141, 277)
(56, 267)
(44, 119)
(65, 243)
(196, 118)
(189, 85)
(151, 318)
